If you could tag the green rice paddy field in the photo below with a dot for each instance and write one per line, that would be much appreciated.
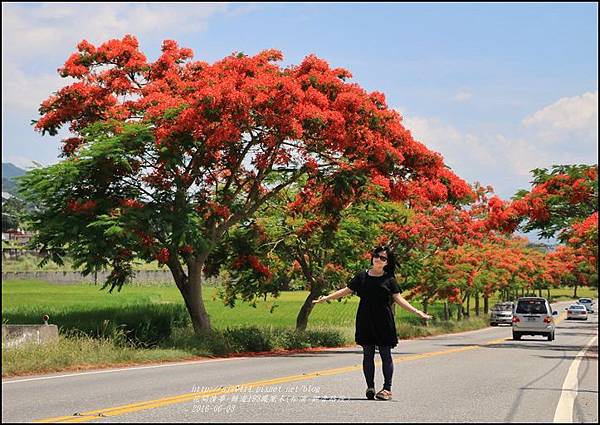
(149, 323)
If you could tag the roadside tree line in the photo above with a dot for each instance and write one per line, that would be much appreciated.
(275, 175)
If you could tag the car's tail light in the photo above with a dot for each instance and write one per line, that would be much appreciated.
(548, 319)
(516, 319)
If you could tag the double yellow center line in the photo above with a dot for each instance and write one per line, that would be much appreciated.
(182, 398)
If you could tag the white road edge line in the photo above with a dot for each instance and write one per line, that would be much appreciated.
(564, 409)
(122, 369)
(125, 369)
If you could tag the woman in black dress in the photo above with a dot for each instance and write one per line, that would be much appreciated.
(375, 326)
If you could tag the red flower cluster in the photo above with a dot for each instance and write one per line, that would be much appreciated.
(81, 207)
(253, 262)
(437, 228)
(162, 256)
(535, 205)
(308, 228)
(217, 210)
(186, 249)
(146, 240)
(330, 121)
(132, 203)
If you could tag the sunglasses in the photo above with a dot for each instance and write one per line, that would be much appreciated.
(381, 257)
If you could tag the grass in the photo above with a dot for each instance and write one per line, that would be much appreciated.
(567, 293)
(149, 323)
(79, 352)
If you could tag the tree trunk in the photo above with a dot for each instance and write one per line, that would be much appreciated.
(190, 287)
(486, 304)
(425, 305)
(540, 292)
(468, 309)
(575, 291)
(446, 312)
(476, 303)
(548, 292)
(459, 309)
(315, 287)
(302, 318)
(195, 305)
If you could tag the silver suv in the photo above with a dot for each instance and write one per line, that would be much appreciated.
(502, 313)
(533, 316)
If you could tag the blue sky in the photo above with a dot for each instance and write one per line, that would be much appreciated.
(497, 89)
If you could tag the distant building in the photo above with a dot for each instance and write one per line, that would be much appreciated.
(19, 236)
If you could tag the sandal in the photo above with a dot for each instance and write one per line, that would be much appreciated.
(370, 393)
(384, 395)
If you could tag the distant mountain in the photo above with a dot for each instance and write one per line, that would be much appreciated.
(8, 172)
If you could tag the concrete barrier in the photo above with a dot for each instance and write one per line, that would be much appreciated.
(15, 335)
(141, 276)
(64, 277)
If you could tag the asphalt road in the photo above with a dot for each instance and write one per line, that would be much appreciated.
(478, 376)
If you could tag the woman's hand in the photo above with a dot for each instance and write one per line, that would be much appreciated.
(424, 316)
(319, 300)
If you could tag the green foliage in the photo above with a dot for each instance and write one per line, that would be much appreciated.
(243, 339)
(14, 213)
(78, 201)
(304, 251)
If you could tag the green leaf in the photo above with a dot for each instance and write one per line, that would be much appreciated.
(114, 230)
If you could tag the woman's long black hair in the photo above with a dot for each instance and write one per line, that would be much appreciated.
(390, 267)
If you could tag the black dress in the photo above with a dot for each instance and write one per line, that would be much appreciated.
(375, 319)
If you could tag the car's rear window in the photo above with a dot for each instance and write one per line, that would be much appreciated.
(502, 307)
(577, 307)
(532, 307)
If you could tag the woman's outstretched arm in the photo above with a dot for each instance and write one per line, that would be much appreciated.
(406, 306)
(337, 294)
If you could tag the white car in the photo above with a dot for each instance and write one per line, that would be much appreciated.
(502, 313)
(577, 311)
(588, 303)
(533, 316)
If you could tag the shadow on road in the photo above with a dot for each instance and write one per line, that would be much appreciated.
(576, 324)
(525, 343)
(325, 353)
(559, 390)
(576, 333)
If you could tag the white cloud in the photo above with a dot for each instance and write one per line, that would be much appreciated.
(571, 113)
(456, 147)
(564, 132)
(24, 93)
(463, 95)
(54, 29)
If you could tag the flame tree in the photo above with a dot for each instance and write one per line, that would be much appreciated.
(167, 156)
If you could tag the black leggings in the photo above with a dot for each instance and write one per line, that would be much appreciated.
(385, 351)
